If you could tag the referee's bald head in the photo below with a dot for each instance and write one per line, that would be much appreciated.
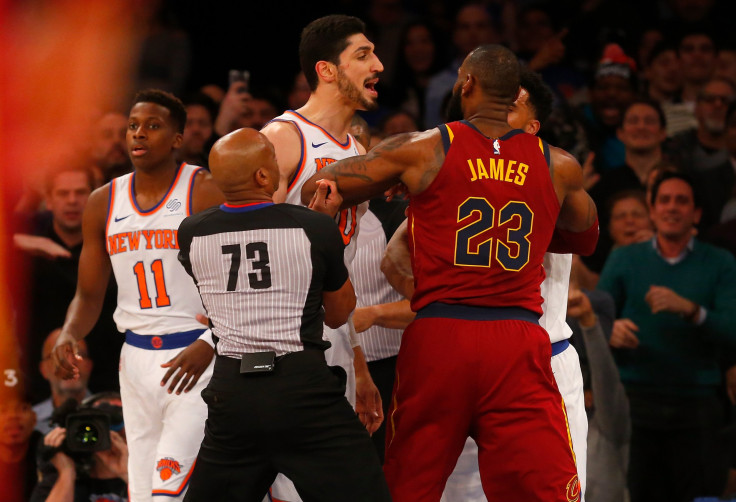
(243, 164)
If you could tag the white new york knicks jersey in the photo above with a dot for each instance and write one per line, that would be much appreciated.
(155, 295)
(554, 292)
(319, 149)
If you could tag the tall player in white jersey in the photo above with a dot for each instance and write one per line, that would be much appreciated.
(341, 69)
(130, 226)
(464, 485)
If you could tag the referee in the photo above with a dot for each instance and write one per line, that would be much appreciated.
(264, 273)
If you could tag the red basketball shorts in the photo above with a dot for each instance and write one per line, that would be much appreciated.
(490, 380)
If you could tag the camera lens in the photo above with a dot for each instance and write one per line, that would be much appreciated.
(87, 434)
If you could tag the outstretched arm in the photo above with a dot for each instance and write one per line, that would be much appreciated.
(94, 273)
(411, 158)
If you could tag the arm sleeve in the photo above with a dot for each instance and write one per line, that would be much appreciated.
(582, 243)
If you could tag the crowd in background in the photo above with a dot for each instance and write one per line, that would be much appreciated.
(639, 90)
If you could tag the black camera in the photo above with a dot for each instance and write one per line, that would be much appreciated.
(87, 426)
(87, 431)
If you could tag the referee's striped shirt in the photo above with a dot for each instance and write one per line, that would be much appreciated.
(261, 270)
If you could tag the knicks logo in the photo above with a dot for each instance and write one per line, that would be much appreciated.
(323, 162)
(167, 467)
(573, 489)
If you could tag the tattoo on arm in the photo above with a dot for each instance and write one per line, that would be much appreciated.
(356, 167)
(434, 166)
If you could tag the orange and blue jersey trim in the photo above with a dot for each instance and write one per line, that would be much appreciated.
(158, 205)
(110, 202)
(178, 491)
(344, 146)
(190, 190)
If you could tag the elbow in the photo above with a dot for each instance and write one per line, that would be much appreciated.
(338, 315)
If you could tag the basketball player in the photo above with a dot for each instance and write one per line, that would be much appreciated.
(484, 203)
(341, 69)
(130, 226)
(287, 413)
(529, 111)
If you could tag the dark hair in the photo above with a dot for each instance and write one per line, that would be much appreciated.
(176, 108)
(203, 100)
(697, 29)
(659, 48)
(723, 80)
(69, 166)
(669, 175)
(496, 69)
(632, 193)
(651, 104)
(540, 95)
(323, 40)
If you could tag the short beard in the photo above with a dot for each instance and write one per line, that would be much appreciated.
(352, 93)
(454, 108)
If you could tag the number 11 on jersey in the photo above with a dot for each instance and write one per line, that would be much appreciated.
(157, 269)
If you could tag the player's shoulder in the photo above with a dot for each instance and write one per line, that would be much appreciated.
(281, 127)
(99, 199)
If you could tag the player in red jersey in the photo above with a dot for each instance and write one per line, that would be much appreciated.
(484, 202)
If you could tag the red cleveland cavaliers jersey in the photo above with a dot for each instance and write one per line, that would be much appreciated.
(479, 232)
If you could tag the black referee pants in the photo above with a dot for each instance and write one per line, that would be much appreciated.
(294, 420)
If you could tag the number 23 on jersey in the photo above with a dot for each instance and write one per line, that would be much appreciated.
(478, 216)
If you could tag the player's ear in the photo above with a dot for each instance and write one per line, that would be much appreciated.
(178, 139)
(469, 84)
(532, 127)
(326, 71)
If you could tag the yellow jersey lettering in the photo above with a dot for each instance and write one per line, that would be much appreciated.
(510, 171)
(482, 173)
(521, 174)
(496, 168)
(472, 170)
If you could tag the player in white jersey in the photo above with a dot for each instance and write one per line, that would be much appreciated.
(341, 69)
(464, 485)
(130, 226)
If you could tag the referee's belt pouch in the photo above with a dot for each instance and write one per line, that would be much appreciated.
(257, 362)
